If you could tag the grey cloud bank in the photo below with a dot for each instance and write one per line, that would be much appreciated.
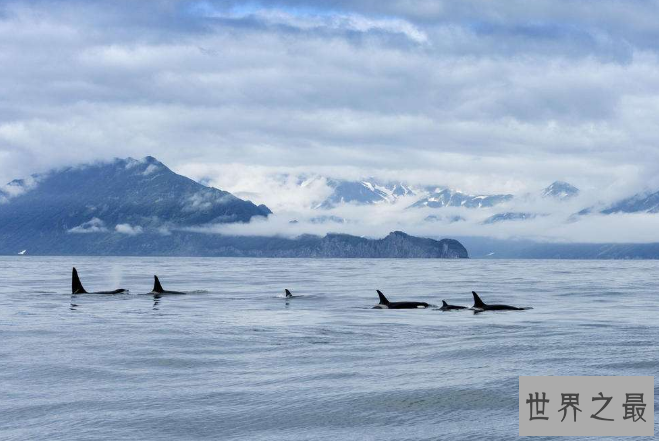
(487, 97)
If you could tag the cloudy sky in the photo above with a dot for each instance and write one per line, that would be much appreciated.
(484, 96)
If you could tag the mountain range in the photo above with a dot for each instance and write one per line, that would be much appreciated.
(141, 207)
(445, 197)
(371, 191)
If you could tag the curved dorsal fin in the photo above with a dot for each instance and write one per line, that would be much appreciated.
(76, 285)
(288, 293)
(383, 299)
(157, 287)
(478, 303)
(444, 303)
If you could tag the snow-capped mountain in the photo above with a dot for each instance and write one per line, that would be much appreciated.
(363, 192)
(444, 197)
(503, 207)
(373, 192)
(640, 203)
(560, 190)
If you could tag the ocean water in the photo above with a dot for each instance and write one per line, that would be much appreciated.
(235, 360)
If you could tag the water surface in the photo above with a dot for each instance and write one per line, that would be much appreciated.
(235, 360)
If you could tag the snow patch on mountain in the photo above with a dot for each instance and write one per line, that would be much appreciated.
(560, 190)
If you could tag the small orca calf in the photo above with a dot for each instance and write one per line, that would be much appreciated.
(479, 305)
(157, 288)
(386, 304)
(447, 307)
(77, 288)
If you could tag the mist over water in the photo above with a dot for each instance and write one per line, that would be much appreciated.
(235, 360)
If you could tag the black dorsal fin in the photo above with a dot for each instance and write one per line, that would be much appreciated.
(444, 303)
(288, 293)
(157, 287)
(478, 303)
(76, 286)
(383, 299)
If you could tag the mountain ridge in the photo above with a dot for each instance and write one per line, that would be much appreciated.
(371, 191)
(180, 243)
(124, 191)
(141, 207)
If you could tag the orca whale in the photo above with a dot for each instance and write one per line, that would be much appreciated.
(157, 288)
(479, 305)
(77, 288)
(447, 307)
(386, 304)
(289, 295)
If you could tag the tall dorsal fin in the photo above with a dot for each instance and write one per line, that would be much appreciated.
(383, 299)
(288, 293)
(157, 287)
(444, 303)
(76, 286)
(478, 303)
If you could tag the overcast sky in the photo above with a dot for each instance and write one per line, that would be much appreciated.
(481, 95)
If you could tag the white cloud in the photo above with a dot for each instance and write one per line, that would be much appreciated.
(485, 97)
(316, 21)
(619, 228)
(128, 229)
(17, 188)
(151, 168)
(95, 225)
(204, 201)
